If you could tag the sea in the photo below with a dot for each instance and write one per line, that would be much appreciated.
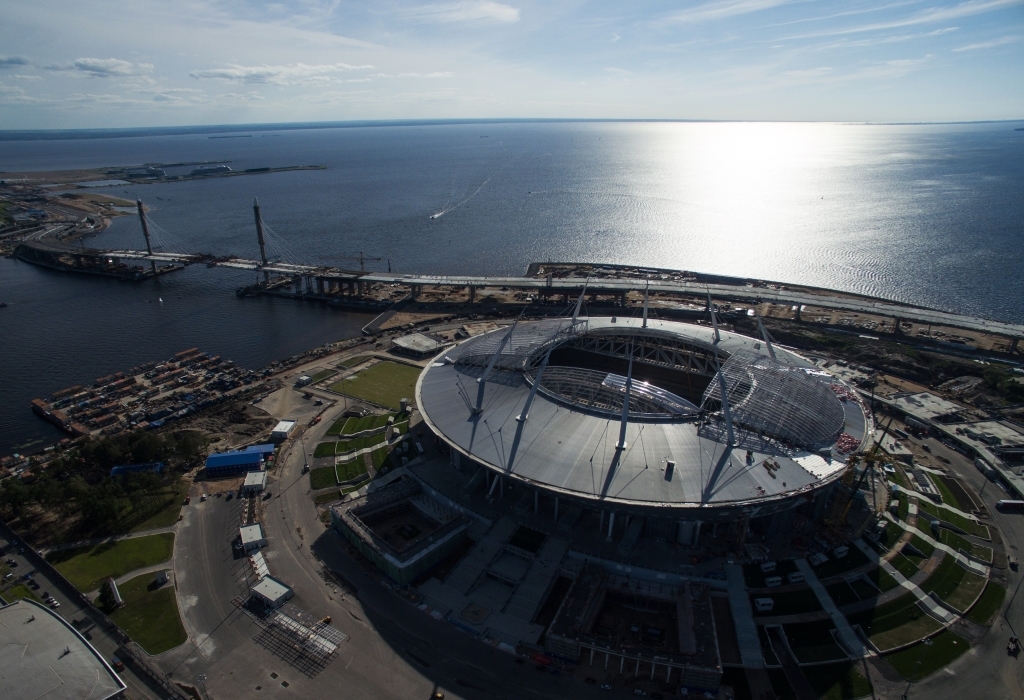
(929, 214)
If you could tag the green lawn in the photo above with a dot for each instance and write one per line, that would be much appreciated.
(898, 478)
(150, 615)
(842, 681)
(165, 516)
(904, 509)
(967, 525)
(967, 592)
(324, 449)
(947, 495)
(18, 591)
(350, 470)
(88, 567)
(926, 547)
(951, 539)
(354, 360)
(924, 659)
(891, 616)
(988, 605)
(384, 384)
(880, 578)
(322, 478)
(327, 497)
(945, 579)
(359, 443)
(322, 374)
(904, 565)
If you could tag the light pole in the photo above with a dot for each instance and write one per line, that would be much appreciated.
(201, 678)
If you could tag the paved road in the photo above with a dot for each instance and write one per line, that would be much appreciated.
(393, 651)
(986, 672)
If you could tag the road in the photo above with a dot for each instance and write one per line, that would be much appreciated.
(393, 651)
(986, 672)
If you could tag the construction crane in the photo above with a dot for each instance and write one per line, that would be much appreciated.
(842, 504)
(361, 258)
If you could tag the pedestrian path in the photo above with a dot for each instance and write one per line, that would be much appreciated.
(850, 641)
(121, 580)
(918, 494)
(743, 618)
(965, 561)
(113, 538)
(936, 610)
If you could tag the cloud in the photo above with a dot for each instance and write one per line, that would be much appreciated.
(296, 74)
(13, 94)
(103, 67)
(721, 10)
(465, 11)
(13, 61)
(945, 14)
(988, 44)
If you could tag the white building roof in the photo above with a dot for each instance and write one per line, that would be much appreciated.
(926, 406)
(285, 426)
(419, 343)
(35, 664)
(269, 588)
(255, 479)
(251, 534)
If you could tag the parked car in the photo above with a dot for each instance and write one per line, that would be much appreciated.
(8, 577)
(202, 498)
(188, 499)
(116, 663)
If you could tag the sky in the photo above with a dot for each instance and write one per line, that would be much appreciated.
(135, 63)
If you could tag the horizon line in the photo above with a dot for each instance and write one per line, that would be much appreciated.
(130, 131)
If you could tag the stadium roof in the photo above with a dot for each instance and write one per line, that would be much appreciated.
(572, 451)
(42, 656)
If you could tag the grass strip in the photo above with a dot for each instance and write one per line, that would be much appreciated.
(842, 681)
(921, 660)
(87, 567)
(322, 478)
(904, 565)
(150, 614)
(324, 449)
(988, 604)
(385, 384)
(945, 579)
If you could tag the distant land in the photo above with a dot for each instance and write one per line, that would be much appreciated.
(136, 132)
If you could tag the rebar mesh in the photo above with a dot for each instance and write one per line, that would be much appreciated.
(775, 399)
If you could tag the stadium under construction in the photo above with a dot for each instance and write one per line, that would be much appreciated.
(601, 480)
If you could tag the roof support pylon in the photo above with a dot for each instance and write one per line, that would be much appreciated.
(647, 294)
(621, 444)
(765, 335)
(490, 366)
(579, 303)
(725, 403)
(714, 318)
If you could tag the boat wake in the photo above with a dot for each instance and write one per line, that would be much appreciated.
(444, 211)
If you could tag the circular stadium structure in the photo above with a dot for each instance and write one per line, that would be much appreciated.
(641, 419)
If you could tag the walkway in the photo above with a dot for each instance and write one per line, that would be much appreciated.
(743, 618)
(850, 641)
(966, 562)
(121, 580)
(113, 538)
(927, 499)
(936, 610)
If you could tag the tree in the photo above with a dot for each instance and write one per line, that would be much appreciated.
(106, 597)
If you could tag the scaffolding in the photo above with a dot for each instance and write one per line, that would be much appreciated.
(294, 635)
(777, 400)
